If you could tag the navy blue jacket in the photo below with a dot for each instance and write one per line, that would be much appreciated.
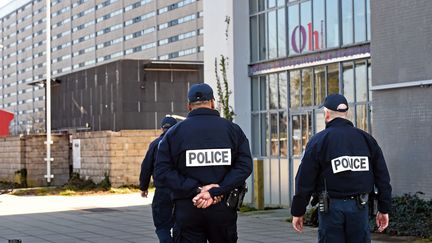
(350, 161)
(147, 165)
(203, 129)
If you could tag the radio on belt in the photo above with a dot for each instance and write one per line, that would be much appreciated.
(208, 157)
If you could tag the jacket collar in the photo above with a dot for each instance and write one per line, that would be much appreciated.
(337, 122)
(203, 111)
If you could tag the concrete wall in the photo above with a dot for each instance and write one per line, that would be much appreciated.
(402, 126)
(117, 154)
(401, 49)
(235, 47)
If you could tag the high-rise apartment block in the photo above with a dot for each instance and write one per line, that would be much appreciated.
(86, 33)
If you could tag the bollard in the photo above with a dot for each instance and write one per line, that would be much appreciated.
(258, 184)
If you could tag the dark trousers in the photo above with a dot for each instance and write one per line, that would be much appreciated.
(217, 223)
(345, 222)
(162, 210)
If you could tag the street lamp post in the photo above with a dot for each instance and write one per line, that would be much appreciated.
(48, 142)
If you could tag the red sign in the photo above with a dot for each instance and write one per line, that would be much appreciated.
(304, 37)
(5, 118)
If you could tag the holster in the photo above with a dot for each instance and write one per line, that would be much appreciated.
(362, 200)
(235, 197)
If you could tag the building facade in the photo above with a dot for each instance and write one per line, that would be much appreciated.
(86, 33)
(302, 50)
(122, 95)
(402, 91)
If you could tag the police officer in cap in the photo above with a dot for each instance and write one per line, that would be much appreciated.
(162, 205)
(201, 160)
(342, 164)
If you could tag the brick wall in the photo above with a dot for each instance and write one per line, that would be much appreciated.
(118, 154)
(35, 152)
(11, 158)
(28, 152)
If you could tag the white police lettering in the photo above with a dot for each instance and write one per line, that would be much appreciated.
(352, 163)
(208, 157)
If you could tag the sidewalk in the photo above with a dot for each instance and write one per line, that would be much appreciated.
(118, 218)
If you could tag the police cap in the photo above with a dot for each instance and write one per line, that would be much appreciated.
(168, 122)
(200, 92)
(336, 102)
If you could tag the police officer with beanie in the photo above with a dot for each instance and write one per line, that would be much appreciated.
(201, 160)
(342, 164)
(162, 205)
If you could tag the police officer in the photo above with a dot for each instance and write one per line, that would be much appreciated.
(162, 205)
(342, 164)
(203, 158)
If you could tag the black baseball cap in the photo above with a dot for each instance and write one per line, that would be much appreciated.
(200, 92)
(168, 122)
(336, 102)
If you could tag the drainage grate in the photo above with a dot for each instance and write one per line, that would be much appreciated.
(100, 210)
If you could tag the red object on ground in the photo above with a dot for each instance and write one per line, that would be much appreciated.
(5, 118)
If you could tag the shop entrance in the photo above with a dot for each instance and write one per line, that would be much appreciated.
(303, 125)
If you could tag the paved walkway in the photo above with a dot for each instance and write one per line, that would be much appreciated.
(117, 218)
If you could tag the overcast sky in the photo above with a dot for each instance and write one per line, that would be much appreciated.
(4, 2)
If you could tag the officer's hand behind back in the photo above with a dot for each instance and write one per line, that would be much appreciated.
(203, 200)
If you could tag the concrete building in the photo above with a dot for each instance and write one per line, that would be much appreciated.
(86, 33)
(286, 56)
(122, 95)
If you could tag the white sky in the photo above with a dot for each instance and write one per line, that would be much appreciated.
(11, 7)
(4, 2)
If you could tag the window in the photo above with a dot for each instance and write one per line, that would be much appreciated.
(347, 22)
(307, 88)
(281, 32)
(294, 88)
(318, 37)
(293, 25)
(262, 37)
(305, 42)
(361, 81)
(254, 38)
(273, 91)
(359, 21)
(319, 85)
(272, 35)
(348, 81)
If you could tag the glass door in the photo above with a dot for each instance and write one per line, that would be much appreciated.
(301, 129)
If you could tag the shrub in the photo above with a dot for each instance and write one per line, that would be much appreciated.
(105, 184)
(411, 216)
(75, 183)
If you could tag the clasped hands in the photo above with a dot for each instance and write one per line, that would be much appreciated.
(204, 199)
